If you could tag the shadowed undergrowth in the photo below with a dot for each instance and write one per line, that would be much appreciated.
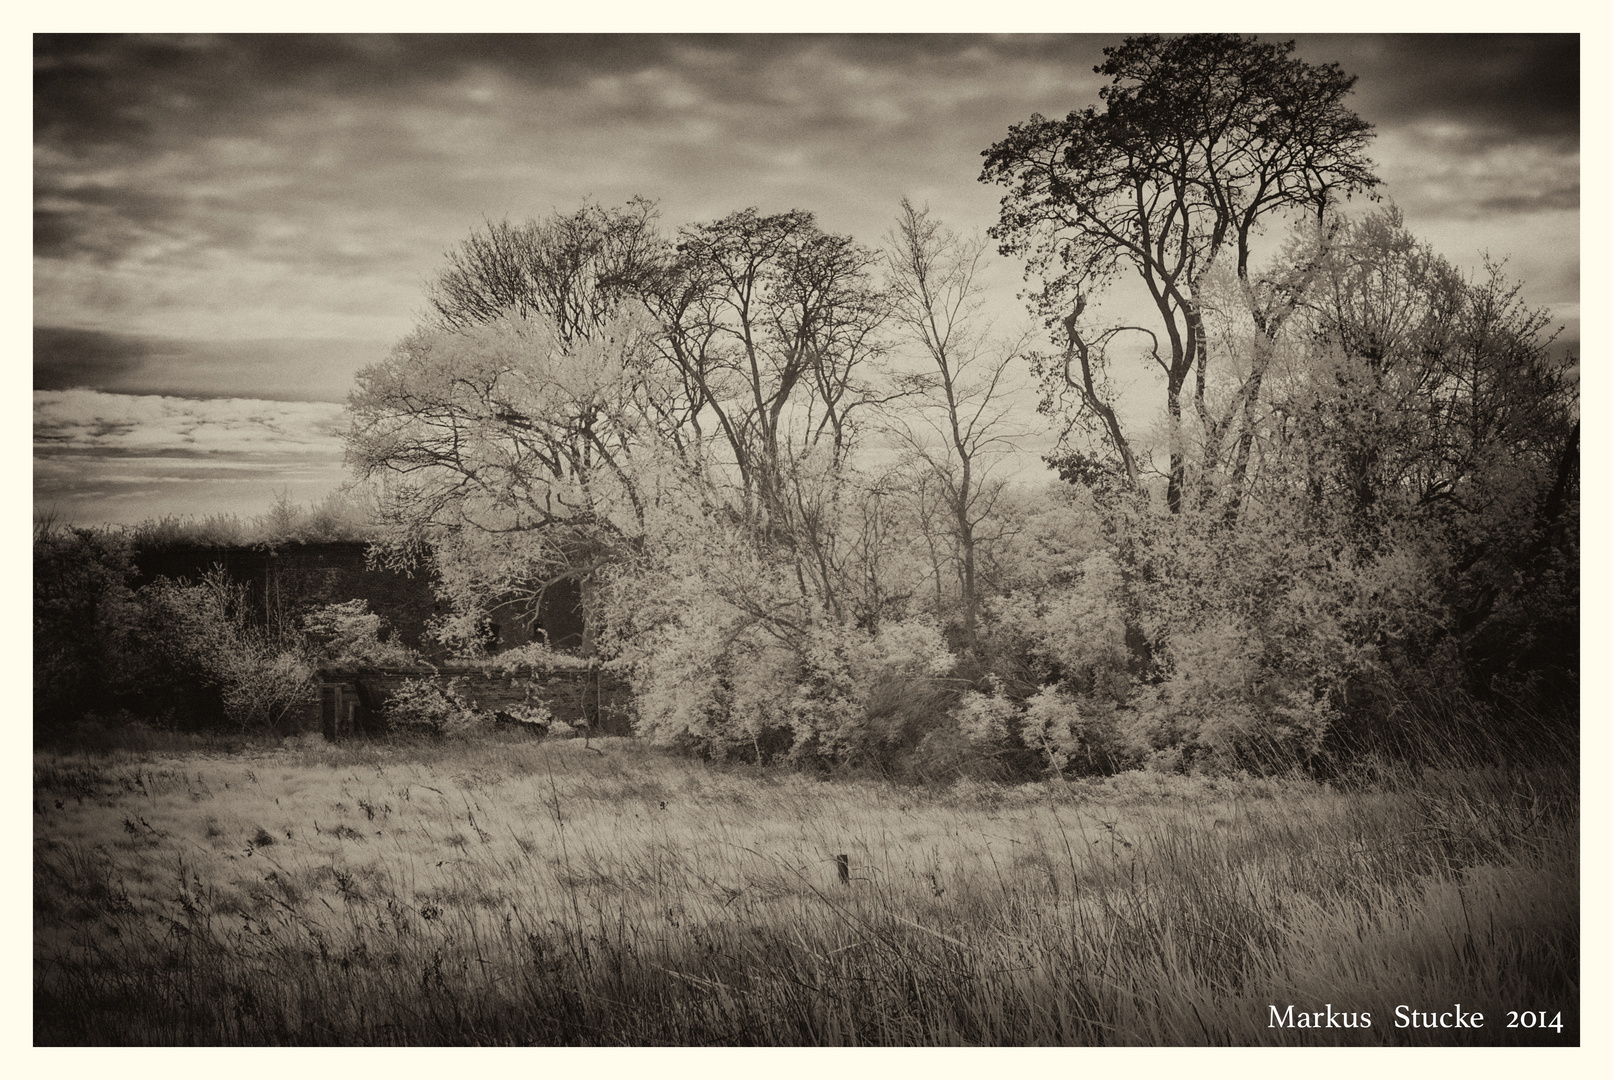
(542, 893)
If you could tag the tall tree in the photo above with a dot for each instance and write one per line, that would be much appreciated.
(1433, 411)
(508, 428)
(770, 325)
(577, 367)
(508, 449)
(962, 400)
(1202, 138)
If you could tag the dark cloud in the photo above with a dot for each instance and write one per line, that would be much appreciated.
(1562, 197)
(291, 369)
(99, 88)
(133, 91)
(136, 91)
(100, 221)
(1467, 103)
(1515, 85)
(43, 449)
(65, 358)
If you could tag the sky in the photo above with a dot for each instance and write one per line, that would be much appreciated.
(226, 229)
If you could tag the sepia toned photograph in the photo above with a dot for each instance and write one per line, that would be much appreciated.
(795, 540)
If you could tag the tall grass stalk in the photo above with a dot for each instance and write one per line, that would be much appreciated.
(513, 892)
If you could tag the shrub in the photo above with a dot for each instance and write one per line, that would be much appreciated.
(422, 706)
(180, 653)
(711, 677)
(192, 650)
(350, 633)
(987, 720)
(1053, 726)
(82, 603)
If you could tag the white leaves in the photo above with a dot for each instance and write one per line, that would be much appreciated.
(1053, 726)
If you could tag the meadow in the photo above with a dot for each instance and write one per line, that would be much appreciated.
(505, 891)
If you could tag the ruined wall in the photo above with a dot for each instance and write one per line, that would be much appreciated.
(580, 696)
(292, 578)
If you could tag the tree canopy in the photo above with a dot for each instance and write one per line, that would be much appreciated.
(765, 452)
(1202, 138)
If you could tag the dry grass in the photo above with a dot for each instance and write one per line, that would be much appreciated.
(504, 892)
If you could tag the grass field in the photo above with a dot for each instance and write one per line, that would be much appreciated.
(521, 892)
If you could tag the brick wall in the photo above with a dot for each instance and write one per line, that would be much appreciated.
(576, 695)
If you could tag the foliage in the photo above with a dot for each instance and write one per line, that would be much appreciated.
(1202, 138)
(585, 371)
(1373, 460)
(425, 706)
(728, 657)
(1053, 725)
(82, 597)
(193, 655)
(348, 632)
(986, 719)
(190, 643)
(538, 654)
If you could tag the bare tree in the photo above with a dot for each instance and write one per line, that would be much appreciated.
(573, 269)
(961, 403)
(771, 325)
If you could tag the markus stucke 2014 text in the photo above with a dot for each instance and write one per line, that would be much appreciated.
(1404, 1017)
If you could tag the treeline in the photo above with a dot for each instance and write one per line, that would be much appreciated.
(1352, 529)
(776, 460)
(341, 515)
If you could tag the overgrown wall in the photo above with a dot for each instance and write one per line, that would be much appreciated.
(579, 696)
(287, 580)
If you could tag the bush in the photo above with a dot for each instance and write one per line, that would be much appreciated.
(193, 646)
(82, 603)
(422, 706)
(349, 633)
(181, 654)
(713, 679)
(1053, 726)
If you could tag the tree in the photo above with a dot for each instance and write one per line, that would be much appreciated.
(1420, 384)
(580, 367)
(1430, 412)
(1407, 546)
(507, 428)
(1201, 140)
(574, 269)
(769, 326)
(83, 598)
(509, 449)
(962, 399)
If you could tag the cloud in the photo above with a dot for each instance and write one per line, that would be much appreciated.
(112, 424)
(289, 369)
(1513, 86)
(1483, 127)
(344, 154)
(124, 458)
(65, 358)
(244, 189)
(1451, 171)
